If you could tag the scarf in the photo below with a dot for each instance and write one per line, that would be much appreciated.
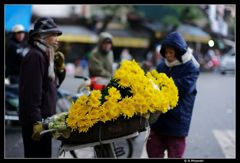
(49, 50)
(185, 58)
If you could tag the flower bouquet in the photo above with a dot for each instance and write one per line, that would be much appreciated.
(130, 100)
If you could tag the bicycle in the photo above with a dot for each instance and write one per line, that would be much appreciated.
(116, 148)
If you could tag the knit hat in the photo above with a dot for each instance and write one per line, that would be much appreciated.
(44, 25)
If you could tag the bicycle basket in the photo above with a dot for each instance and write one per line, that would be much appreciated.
(109, 130)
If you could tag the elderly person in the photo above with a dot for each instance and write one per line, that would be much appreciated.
(40, 75)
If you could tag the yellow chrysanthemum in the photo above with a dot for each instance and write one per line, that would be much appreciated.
(151, 92)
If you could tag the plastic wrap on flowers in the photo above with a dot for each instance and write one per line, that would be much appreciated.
(109, 130)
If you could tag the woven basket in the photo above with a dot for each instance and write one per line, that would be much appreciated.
(109, 130)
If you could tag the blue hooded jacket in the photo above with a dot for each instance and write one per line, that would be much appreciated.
(176, 122)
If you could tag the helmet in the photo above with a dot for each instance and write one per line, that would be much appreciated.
(44, 25)
(18, 28)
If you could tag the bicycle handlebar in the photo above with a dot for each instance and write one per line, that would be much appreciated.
(81, 77)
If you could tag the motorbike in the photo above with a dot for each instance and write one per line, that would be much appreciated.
(64, 98)
(11, 103)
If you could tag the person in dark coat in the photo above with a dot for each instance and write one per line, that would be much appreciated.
(16, 49)
(169, 132)
(40, 75)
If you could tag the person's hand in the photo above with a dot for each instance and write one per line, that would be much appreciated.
(59, 61)
(37, 128)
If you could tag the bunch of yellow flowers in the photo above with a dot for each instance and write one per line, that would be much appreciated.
(130, 92)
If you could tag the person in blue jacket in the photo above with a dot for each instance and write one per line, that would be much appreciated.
(169, 132)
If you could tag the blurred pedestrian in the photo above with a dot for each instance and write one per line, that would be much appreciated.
(42, 71)
(153, 59)
(169, 132)
(101, 59)
(156, 58)
(125, 55)
(15, 51)
(212, 60)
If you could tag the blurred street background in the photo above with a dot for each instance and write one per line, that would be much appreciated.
(137, 34)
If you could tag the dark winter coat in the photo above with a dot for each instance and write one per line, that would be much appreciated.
(176, 122)
(15, 52)
(37, 92)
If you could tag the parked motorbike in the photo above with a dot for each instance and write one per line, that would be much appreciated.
(11, 103)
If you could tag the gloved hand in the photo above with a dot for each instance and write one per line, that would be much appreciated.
(37, 128)
(59, 61)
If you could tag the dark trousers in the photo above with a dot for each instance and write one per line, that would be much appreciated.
(36, 149)
(157, 144)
